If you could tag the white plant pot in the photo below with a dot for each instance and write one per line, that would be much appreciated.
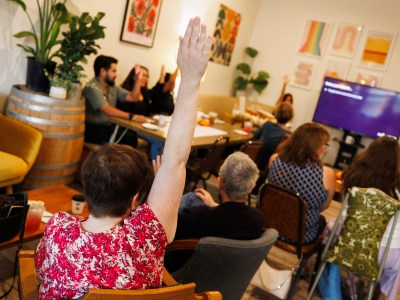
(58, 92)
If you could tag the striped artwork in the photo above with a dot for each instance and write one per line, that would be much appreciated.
(315, 38)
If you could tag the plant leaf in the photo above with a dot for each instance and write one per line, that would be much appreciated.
(263, 74)
(27, 49)
(53, 34)
(240, 83)
(21, 3)
(245, 68)
(259, 83)
(251, 52)
(24, 34)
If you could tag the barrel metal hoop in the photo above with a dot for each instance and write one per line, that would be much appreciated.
(30, 176)
(55, 167)
(39, 108)
(60, 136)
(41, 121)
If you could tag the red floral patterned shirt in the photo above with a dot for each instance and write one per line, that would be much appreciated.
(70, 260)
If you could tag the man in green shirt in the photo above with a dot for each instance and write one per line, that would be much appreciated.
(101, 96)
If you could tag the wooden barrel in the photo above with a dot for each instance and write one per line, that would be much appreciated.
(62, 123)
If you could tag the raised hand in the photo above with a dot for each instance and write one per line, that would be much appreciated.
(162, 75)
(194, 50)
(285, 79)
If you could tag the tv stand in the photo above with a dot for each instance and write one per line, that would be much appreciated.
(349, 146)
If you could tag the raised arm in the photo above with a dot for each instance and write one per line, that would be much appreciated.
(285, 81)
(134, 94)
(166, 192)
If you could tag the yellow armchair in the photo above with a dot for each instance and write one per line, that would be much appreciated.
(19, 147)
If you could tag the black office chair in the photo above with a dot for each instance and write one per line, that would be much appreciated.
(203, 169)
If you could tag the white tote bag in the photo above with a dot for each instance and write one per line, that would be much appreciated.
(273, 281)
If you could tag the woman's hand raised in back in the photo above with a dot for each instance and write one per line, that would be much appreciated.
(167, 189)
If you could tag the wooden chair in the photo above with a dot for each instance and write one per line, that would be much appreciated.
(252, 149)
(286, 212)
(28, 287)
(223, 264)
(203, 169)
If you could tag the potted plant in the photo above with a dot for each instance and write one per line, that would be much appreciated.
(51, 15)
(78, 42)
(58, 85)
(258, 80)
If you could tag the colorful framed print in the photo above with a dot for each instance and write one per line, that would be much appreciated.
(367, 78)
(140, 22)
(337, 69)
(377, 49)
(224, 37)
(346, 39)
(315, 38)
(304, 74)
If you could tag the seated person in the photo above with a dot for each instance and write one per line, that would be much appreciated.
(154, 101)
(379, 167)
(137, 81)
(272, 134)
(200, 216)
(121, 244)
(162, 93)
(101, 96)
(297, 167)
(285, 97)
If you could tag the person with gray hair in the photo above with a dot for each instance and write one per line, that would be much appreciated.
(200, 216)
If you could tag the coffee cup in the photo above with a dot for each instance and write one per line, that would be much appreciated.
(213, 116)
(78, 203)
(247, 125)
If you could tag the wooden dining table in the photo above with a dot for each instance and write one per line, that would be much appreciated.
(197, 142)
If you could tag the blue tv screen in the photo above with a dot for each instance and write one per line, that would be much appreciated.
(361, 109)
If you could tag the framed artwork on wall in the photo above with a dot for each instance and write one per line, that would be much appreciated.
(224, 37)
(140, 22)
(368, 78)
(377, 49)
(304, 73)
(337, 69)
(315, 38)
(346, 39)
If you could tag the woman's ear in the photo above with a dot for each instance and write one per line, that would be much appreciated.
(135, 202)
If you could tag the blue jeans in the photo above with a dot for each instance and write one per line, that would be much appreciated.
(156, 146)
(189, 200)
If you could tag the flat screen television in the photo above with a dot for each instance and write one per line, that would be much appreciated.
(360, 109)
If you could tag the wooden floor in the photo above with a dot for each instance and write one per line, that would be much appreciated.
(276, 257)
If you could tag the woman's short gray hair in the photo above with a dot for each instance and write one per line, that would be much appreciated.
(238, 175)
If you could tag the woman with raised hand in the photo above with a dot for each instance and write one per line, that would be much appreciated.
(122, 243)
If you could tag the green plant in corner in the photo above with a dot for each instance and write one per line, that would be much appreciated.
(78, 43)
(259, 80)
(51, 15)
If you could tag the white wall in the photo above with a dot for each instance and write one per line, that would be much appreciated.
(277, 35)
(173, 18)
